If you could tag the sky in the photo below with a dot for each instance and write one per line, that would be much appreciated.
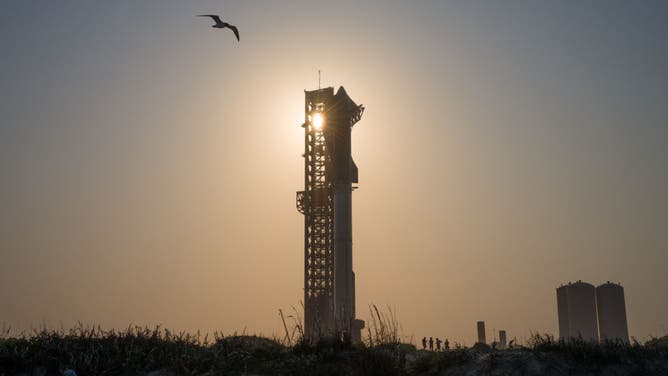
(149, 163)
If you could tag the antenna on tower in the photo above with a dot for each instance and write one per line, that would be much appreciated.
(318, 79)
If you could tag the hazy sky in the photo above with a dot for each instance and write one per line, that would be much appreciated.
(149, 163)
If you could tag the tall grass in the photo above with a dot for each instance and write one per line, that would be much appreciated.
(92, 350)
(594, 353)
(383, 328)
(139, 350)
(294, 331)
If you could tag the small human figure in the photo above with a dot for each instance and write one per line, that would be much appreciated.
(431, 344)
(447, 345)
(424, 343)
(438, 344)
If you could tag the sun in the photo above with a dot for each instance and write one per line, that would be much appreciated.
(317, 121)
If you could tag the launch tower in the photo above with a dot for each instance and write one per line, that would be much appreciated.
(329, 172)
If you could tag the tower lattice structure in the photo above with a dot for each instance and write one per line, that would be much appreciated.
(329, 307)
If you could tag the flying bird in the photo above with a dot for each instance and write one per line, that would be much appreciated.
(220, 24)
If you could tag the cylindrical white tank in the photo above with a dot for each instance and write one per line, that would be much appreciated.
(582, 320)
(562, 311)
(612, 312)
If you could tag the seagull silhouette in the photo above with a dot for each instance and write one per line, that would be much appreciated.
(220, 24)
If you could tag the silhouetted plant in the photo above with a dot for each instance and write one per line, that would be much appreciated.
(139, 350)
(383, 327)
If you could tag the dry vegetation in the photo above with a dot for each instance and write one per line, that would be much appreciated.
(157, 351)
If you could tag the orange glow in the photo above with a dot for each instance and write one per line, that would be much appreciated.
(317, 121)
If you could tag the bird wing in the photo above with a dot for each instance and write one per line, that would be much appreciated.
(234, 30)
(215, 17)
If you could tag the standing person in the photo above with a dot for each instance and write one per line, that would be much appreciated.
(447, 345)
(424, 343)
(438, 344)
(431, 344)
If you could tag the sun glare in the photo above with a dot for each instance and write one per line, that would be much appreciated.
(317, 121)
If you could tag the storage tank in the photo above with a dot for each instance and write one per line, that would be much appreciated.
(562, 311)
(578, 319)
(582, 319)
(612, 312)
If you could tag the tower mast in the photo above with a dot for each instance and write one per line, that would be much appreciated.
(329, 171)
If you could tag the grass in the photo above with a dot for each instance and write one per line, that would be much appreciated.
(597, 355)
(383, 327)
(138, 350)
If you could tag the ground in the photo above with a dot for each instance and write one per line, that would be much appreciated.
(158, 352)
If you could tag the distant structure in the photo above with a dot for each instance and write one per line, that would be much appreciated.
(562, 312)
(481, 332)
(502, 340)
(329, 172)
(592, 313)
(611, 312)
(576, 308)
